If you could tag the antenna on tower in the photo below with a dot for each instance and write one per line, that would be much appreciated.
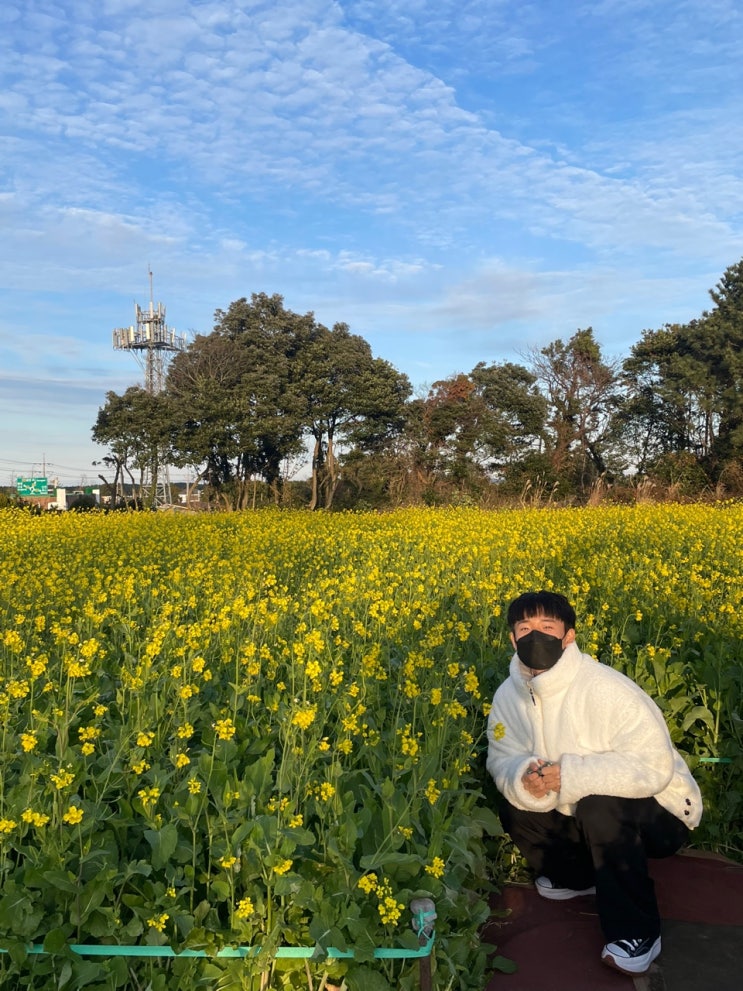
(153, 344)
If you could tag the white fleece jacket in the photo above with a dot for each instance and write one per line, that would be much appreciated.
(608, 735)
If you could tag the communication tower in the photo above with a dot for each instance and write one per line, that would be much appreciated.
(153, 344)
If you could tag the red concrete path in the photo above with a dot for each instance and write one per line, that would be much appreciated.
(557, 945)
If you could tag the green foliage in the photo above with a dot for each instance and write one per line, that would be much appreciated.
(267, 729)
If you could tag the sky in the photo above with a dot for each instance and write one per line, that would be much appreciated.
(457, 180)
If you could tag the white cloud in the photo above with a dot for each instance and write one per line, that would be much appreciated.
(470, 174)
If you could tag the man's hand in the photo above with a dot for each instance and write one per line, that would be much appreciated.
(541, 777)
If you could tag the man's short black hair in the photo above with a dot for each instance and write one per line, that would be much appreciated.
(542, 603)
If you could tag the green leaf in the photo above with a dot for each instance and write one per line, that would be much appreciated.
(56, 879)
(221, 888)
(258, 781)
(65, 974)
(57, 941)
(698, 712)
(503, 964)
(360, 978)
(89, 899)
(163, 842)
(488, 820)
(387, 790)
(363, 944)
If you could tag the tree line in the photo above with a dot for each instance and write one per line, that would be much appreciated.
(245, 405)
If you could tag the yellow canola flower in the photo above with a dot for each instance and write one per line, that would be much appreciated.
(225, 729)
(245, 909)
(436, 867)
(37, 665)
(7, 826)
(13, 641)
(73, 815)
(37, 819)
(304, 718)
(409, 741)
(368, 883)
(499, 731)
(390, 909)
(28, 741)
(158, 921)
(432, 792)
(283, 867)
(77, 669)
(63, 779)
(18, 689)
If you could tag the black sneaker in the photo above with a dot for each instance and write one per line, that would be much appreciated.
(631, 956)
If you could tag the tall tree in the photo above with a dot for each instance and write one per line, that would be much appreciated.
(723, 340)
(135, 428)
(233, 406)
(514, 427)
(349, 395)
(668, 404)
(267, 378)
(685, 385)
(581, 390)
(475, 430)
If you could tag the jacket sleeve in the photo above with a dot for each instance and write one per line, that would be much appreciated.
(509, 756)
(635, 756)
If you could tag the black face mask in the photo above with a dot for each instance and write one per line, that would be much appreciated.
(539, 651)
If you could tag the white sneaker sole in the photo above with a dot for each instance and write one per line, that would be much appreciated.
(562, 894)
(640, 965)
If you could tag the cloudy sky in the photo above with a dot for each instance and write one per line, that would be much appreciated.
(458, 180)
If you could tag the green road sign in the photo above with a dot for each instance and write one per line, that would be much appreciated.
(32, 486)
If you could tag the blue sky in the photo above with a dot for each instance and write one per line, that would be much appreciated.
(458, 180)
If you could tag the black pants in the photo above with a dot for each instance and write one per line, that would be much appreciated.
(606, 844)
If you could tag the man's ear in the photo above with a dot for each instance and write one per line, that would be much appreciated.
(513, 640)
(568, 638)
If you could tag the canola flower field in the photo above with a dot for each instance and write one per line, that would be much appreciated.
(267, 729)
